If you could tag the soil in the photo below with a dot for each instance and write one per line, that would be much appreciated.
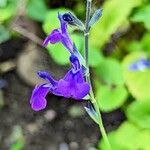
(53, 128)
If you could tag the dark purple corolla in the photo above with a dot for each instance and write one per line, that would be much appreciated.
(140, 65)
(60, 35)
(72, 85)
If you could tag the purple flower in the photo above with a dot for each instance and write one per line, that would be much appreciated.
(72, 85)
(140, 65)
(60, 35)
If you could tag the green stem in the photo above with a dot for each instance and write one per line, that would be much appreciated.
(88, 79)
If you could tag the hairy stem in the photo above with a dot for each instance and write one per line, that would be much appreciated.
(86, 36)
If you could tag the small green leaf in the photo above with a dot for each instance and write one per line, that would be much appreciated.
(128, 137)
(145, 42)
(4, 34)
(134, 46)
(95, 57)
(139, 112)
(37, 10)
(115, 13)
(142, 15)
(109, 71)
(142, 45)
(110, 98)
(3, 3)
(59, 54)
(8, 11)
(113, 143)
(18, 145)
(17, 138)
(138, 82)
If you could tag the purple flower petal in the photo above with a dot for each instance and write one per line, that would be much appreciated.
(66, 41)
(75, 63)
(73, 85)
(38, 101)
(53, 38)
(52, 84)
(46, 76)
(63, 24)
(60, 35)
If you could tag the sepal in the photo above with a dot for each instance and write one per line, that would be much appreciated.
(92, 113)
(96, 16)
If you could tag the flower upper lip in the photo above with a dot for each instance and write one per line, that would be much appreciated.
(60, 35)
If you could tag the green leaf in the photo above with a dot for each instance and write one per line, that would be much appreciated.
(113, 143)
(138, 82)
(115, 13)
(128, 137)
(4, 34)
(8, 11)
(18, 145)
(17, 138)
(145, 42)
(134, 46)
(109, 71)
(95, 57)
(142, 45)
(139, 112)
(110, 98)
(37, 10)
(3, 3)
(142, 15)
(59, 54)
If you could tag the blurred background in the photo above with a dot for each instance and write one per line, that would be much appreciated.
(121, 38)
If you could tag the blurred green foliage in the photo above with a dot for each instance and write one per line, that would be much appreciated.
(128, 137)
(115, 13)
(138, 82)
(142, 15)
(110, 98)
(37, 10)
(17, 139)
(4, 34)
(7, 9)
(127, 22)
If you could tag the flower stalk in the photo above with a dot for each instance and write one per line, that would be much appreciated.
(88, 79)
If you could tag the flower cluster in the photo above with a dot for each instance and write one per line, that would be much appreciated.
(73, 84)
